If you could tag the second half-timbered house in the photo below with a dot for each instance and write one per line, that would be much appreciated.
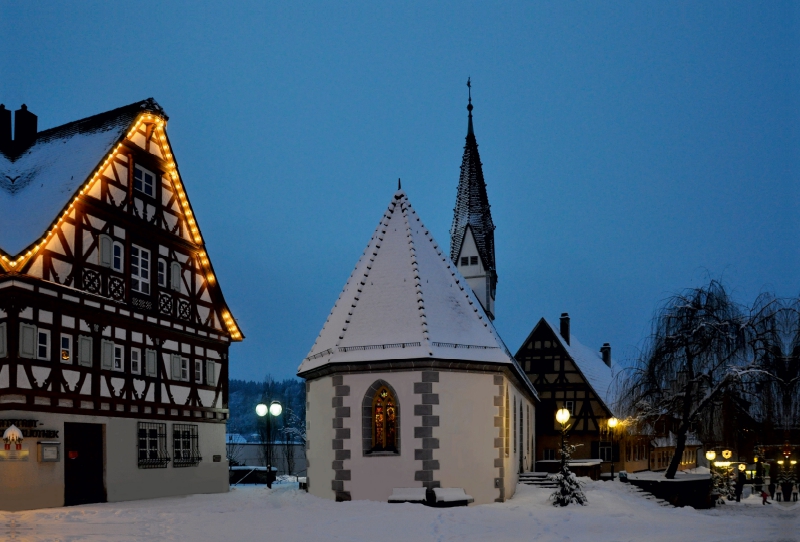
(114, 333)
(569, 375)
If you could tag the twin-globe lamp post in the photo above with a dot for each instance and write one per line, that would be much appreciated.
(274, 410)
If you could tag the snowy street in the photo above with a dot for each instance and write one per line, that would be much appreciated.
(284, 513)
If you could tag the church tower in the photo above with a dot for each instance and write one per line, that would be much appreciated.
(472, 233)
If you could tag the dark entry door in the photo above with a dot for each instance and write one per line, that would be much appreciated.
(83, 464)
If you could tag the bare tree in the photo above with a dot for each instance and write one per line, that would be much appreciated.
(233, 448)
(702, 345)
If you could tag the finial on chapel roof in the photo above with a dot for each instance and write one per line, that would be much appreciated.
(398, 184)
(469, 106)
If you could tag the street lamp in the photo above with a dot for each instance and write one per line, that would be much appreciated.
(274, 409)
(727, 454)
(612, 423)
(562, 417)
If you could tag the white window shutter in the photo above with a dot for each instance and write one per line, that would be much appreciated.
(27, 341)
(175, 276)
(106, 250)
(176, 366)
(210, 376)
(150, 362)
(85, 351)
(3, 348)
(106, 354)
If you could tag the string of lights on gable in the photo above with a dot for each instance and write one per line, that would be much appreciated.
(172, 172)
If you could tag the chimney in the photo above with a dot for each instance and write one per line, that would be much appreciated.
(5, 128)
(605, 351)
(24, 128)
(565, 326)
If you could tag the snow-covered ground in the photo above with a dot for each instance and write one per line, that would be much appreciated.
(285, 514)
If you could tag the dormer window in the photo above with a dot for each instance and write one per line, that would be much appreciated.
(144, 181)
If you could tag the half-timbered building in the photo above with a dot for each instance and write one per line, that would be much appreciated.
(114, 333)
(408, 383)
(569, 375)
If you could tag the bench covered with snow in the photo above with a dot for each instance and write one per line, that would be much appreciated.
(408, 494)
(451, 496)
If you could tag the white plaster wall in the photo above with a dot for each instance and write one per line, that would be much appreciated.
(466, 434)
(319, 431)
(511, 464)
(373, 477)
(30, 484)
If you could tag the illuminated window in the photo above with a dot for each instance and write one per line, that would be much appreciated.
(66, 348)
(144, 181)
(384, 421)
(140, 270)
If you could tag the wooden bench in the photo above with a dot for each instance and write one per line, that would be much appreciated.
(408, 494)
(447, 497)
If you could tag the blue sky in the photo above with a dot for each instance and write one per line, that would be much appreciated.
(630, 150)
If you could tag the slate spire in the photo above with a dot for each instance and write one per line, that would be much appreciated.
(472, 211)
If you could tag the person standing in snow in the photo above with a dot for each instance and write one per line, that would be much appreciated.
(794, 492)
(764, 497)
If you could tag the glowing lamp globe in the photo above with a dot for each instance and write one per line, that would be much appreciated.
(275, 408)
(727, 454)
(711, 455)
(612, 422)
(562, 416)
(780, 462)
(742, 466)
(262, 409)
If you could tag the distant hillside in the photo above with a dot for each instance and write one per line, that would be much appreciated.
(244, 395)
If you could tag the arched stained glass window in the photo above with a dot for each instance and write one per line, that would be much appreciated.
(384, 421)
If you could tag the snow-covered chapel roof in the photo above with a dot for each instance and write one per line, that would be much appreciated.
(406, 300)
(36, 184)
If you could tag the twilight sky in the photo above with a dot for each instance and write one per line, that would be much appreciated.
(630, 150)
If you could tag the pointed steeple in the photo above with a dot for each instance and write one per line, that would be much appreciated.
(473, 229)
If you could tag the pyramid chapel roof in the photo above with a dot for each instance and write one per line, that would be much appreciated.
(405, 300)
(39, 180)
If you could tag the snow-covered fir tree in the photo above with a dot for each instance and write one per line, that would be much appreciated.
(569, 488)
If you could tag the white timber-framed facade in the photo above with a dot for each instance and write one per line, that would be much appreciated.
(114, 334)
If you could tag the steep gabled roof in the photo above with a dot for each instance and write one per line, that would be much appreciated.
(406, 300)
(36, 184)
(472, 204)
(589, 363)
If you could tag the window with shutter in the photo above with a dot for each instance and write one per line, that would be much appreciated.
(151, 362)
(3, 350)
(175, 276)
(105, 244)
(85, 351)
(106, 354)
(27, 341)
(210, 369)
(175, 366)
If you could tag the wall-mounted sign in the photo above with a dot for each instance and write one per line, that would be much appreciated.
(29, 428)
(49, 451)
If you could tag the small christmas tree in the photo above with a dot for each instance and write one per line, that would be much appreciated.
(569, 488)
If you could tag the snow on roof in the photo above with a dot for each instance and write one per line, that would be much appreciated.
(406, 300)
(37, 184)
(591, 365)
